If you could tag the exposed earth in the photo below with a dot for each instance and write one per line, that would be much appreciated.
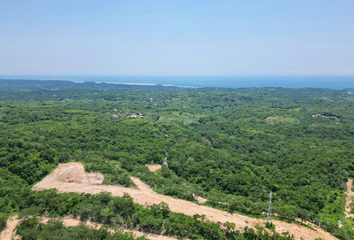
(71, 177)
(350, 195)
(8, 232)
(153, 168)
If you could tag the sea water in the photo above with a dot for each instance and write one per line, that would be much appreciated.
(333, 82)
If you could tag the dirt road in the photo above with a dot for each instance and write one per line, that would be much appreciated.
(7, 233)
(71, 177)
(12, 222)
(350, 195)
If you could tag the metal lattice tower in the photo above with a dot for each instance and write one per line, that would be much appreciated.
(269, 217)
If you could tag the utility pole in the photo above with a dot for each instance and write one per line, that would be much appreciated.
(269, 217)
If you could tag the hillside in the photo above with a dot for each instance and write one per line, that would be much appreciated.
(229, 146)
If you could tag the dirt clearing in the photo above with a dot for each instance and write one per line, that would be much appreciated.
(144, 195)
(153, 168)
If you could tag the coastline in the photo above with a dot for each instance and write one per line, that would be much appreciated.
(330, 82)
(141, 84)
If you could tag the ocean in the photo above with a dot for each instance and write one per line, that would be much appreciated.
(333, 82)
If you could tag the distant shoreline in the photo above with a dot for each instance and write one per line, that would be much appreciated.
(137, 84)
(120, 83)
(330, 82)
(147, 84)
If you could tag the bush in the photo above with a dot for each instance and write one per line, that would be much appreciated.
(3, 219)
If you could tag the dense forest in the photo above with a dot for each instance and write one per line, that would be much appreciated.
(230, 146)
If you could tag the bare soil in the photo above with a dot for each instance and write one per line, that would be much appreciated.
(350, 195)
(200, 199)
(144, 195)
(205, 139)
(8, 233)
(70, 222)
(315, 115)
(153, 168)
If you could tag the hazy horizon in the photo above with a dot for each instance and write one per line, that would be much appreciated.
(245, 81)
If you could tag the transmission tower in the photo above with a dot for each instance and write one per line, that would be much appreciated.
(269, 217)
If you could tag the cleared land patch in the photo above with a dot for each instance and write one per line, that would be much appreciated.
(144, 195)
(153, 168)
(279, 119)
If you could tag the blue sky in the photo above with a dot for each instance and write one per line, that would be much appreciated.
(179, 37)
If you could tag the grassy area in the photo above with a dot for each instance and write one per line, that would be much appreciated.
(279, 119)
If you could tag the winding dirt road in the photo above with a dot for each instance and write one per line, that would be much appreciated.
(71, 177)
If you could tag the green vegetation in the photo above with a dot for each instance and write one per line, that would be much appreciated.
(113, 211)
(31, 228)
(231, 146)
(277, 119)
(3, 219)
(113, 174)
